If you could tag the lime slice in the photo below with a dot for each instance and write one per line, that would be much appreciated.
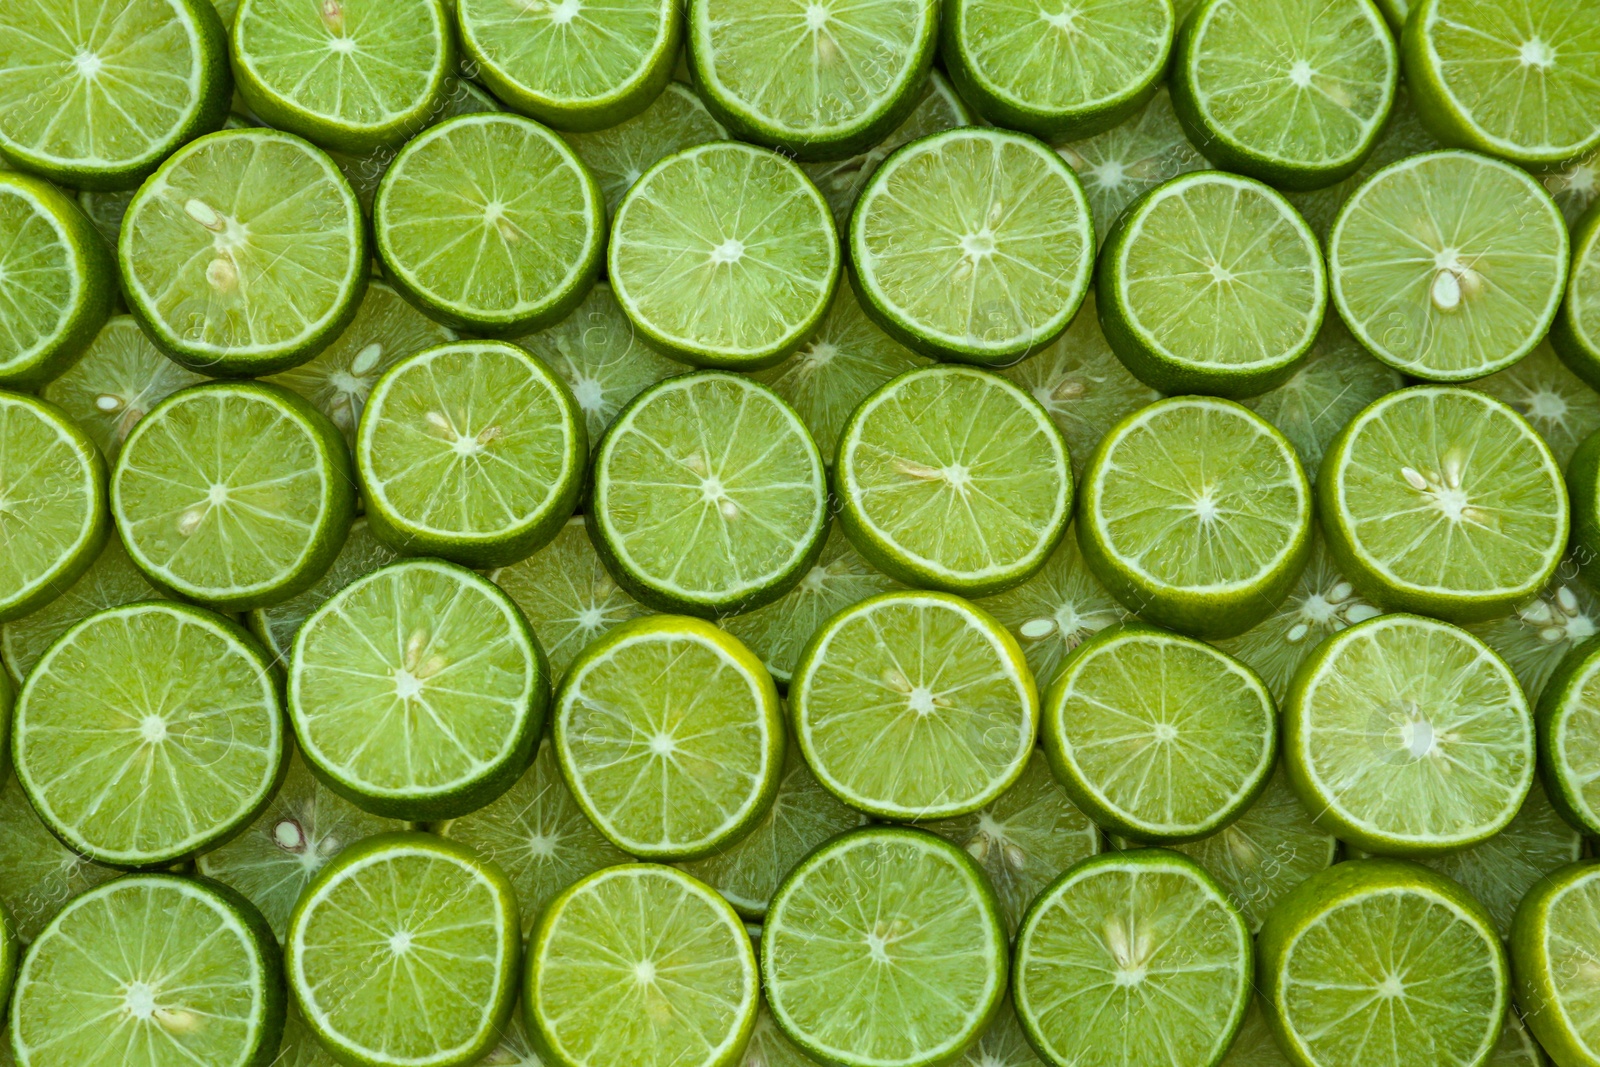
(472, 451)
(119, 377)
(604, 362)
(914, 705)
(619, 155)
(537, 835)
(418, 691)
(96, 96)
(1024, 838)
(1448, 265)
(1159, 737)
(385, 330)
(38, 874)
(1255, 1046)
(226, 9)
(57, 281)
(709, 496)
(1196, 515)
(954, 260)
(670, 737)
(1574, 186)
(803, 815)
(274, 858)
(778, 632)
(770, 1048)
(514, 1049)
(299, 1047)
(575, 66)
(1408, 736)
(403, 951)
(1513, 78)
(1553, 957)
(1569, 737)
(1293, 92)
(1576, 331)
(1060, 73)
(1382, 963)
(1212, 283)
(489, 222)
(150, 969)
(1002, 1045)
(1445, 501)
(1516, 1047)
(1133, 958)
(641, 965)
(277, 625)
(1394, 12)
(1534, 639)
(820, 82)
(187, 749)
(955, 479)
(724, 255)
(236, 494)
(53, 521)
(840, 365)
(920, 951)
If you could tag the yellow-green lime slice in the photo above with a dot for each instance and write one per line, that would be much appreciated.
(1554, 965)
(1002, 1045)
(277, 625)
(619, 155)
(769, 1047)
(1255, 1046)
(1536, 637)
(1516, 1047)
(1568, 719)
(1576, 331)
(38, 874)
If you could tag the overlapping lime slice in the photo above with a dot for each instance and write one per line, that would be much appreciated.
(1002, 1045)
(619, 155)
(1568, 721)
(38, 874)
(1255, 1046)
(1574, 185)
(770, 1048)
(1553, 961)
(277, 625)
(1535, 638)
(1576, 331)
(1516, 1047)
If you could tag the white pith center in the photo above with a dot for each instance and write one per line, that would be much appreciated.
(729, 251)
(407, 686)
(348, 383)
(1392, 987)
(819, 354)
(1110, 173)
(663, 745)
(1418, 739)
(1205, 507)
(153, 729)
(88, 64)
(1065, 19)
(644, 972)
(1165, 732)
(400, 942)
(1300, 74)
(1220, 274)
(958, 476)
(543, 845)
(816, 17)
(1535, 53)
(1453, 281)
(816, 579)
(589, 394)
(878, 947)
(139, 1000)
(1443, 490)
(1337, 606)
(341, 45)
(978, 245)
(1546, 404)
(591, 618)
(921, 700)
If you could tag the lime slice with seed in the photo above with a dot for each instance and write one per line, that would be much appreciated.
(1574, 186)
(1136, 957)
(1294, 93)
(1448, 265)
(473, 451)
(709, 496)
(914, 705)
(619, 155)
(418, 691)
(1408, 736)
(1159, 737)
(1569, 737)
(921, 950)
(95, 99)
(38, 874)
(277, 625)
(1552, 953)
(1576, 331)
(1196, 515)
(189, 744)
(403, 951)
(489, 222)
(641, 965)
(1445, 501)
(1534, 639)
(670, 736)
(724, 255)
(236, 494)
(1212, 283)
(973, 244)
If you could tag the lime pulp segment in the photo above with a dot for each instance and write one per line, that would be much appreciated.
(1557, 403)
(619, 155)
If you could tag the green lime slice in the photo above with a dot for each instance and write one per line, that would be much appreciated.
(1534, 639)
(515, 1049)
(641, 965)
(1383, 963)
(1408, 736)
(972, 244)
(38, 874)
(1568, 720)
(1394, 12)
(150, 969)
(1553, 960)
(1002, 1045)
(472, 451)
(1293, 92)
(914, 705)
(300, 1047)
(274, 858)
(709, 496)
(600, 356)
(1516, 1047)
(1159, 737)
(920, 951)
(1024, 838)
(670, 736)
(1057, 72)
(1255, 1046)
(1576, 331)
(778, 632)
(1448, 265)
(1133, 958)
(724, 255)
(1444, 501)
(770, 1048)
(1574, 186)
(53, 518)
(418, 691)
(1212, 283)
(57, 280)
(119, 377)
(95, 96)
(339, 379)
(820, 82)
(575, 66)
(538, 835)
(236, 494)
(488, 222)
(955, 479)
(183, 718)
(1196, 515)
(619, 155)
(277, 625)
(1513, 78)
(403, 952)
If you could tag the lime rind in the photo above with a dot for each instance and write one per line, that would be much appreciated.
(1568, 722)
(1552, 957)
(1575, 334)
